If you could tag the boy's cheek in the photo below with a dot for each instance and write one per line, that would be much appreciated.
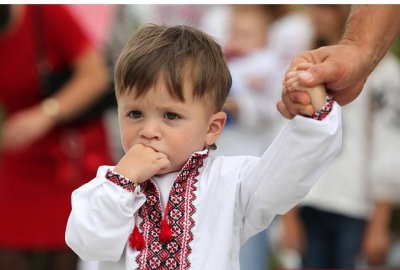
(127, 145)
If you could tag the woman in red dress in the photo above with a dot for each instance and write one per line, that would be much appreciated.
(44, 155)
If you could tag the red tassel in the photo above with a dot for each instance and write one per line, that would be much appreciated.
(166, 232)
(136, 240)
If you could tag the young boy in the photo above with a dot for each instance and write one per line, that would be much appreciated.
(169, 203)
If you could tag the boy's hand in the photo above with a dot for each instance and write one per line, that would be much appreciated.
(141, 162)
(317, 96)
(317, 93)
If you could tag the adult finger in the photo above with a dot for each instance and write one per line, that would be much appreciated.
(297, 107)
(301, 97)
(299, 59)
(321, 73)
(283, 111)
(304, 66)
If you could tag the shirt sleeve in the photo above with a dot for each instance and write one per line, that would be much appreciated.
(102, 218)
(288, 169)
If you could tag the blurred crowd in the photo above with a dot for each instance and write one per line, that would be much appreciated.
(350, 219)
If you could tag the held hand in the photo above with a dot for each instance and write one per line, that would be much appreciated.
(305, 99)
(343, 68)
(293, 235)
(141, 162)
(376, 244)
(24, 128)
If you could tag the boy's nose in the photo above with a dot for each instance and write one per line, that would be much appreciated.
(150, 130)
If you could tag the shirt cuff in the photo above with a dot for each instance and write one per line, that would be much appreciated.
(120, 180)
(321, 114)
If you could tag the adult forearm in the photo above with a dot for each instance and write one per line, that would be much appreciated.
(88, 83)
(373, 28)
(381, 214)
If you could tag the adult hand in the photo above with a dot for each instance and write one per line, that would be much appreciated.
(293, 233)
(343, 68)
(376, 244)
(24, 128)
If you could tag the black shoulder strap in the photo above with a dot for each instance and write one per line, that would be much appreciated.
(42, 63)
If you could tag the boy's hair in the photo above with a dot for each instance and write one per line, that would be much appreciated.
(173, 54)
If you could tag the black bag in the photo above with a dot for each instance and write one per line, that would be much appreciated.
(51, 80)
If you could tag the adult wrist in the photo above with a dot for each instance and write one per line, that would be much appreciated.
(371, 29)
(365, 56)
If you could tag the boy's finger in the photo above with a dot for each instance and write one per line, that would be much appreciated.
(291, 84)
(287, 81)
(291, 80)
(160, 155)
(164, 163)
(300, 97)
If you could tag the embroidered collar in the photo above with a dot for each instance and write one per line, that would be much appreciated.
(195, 161)
(163, 240)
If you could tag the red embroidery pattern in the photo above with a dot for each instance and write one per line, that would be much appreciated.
(179, 210)
(121, 181)
(320, 115)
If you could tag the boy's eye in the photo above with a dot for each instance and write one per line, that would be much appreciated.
(171, 116)
(135, 114)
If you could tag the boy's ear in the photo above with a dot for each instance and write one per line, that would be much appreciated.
(215, 127)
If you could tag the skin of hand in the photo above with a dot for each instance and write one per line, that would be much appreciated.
(29, 125)
(293, 236)
(345, 67)
(376, 242)
(315, 97)
(141, 162)
(342, 68)
(24, 128)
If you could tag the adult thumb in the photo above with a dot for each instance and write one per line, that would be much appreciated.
(321, 73)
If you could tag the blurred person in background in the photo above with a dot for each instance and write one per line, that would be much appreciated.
(244, 133)
(99, 23)
(252, 116)
(96, 20)
(347, 213)
(47, 150)
(251, 109)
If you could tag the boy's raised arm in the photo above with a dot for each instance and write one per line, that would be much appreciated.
(298, 156)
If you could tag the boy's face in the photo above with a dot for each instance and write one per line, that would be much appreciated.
(167, 124)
